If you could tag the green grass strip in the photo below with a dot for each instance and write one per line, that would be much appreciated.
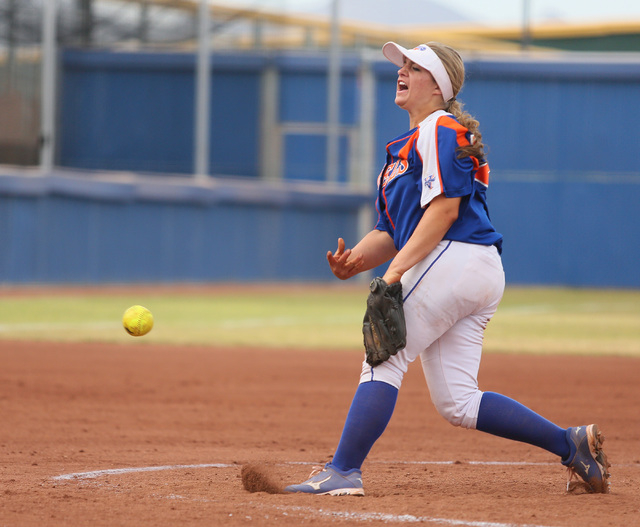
(529, 320)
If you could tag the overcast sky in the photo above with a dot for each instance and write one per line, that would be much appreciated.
(497, 12)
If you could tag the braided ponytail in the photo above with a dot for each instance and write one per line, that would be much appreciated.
(455, 68)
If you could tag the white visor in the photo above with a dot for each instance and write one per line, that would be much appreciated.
(424, 57)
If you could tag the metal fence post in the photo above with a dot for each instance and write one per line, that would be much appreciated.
(203, 87)
(48, 95)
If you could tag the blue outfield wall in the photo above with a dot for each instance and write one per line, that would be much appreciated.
(576, 231)
(563, 147)
(65, 228)
(135, 112)
(542, 116)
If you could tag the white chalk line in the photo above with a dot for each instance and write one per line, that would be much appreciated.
(396, 518)
(130, 470)
(322, 513)
(243, 323)
(55, 326)
(578, 307)
(289, 320)
(115, 471)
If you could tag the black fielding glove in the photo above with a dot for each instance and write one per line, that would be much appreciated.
(383, 327)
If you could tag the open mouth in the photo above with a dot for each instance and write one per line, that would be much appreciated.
(402, 86)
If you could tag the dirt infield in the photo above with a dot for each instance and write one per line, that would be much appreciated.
(146, 435)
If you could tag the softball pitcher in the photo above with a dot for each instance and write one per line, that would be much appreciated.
(434, 228)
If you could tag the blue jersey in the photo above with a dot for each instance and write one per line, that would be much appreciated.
(422, 164)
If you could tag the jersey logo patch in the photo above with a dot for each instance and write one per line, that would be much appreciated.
(429, 181)
(394, 169)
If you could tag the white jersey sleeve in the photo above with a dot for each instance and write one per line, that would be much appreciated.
(428, 151)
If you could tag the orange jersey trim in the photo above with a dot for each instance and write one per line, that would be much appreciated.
(482, 174)
(397, 168)
(481, 171)
(404, 151)
(461, 131)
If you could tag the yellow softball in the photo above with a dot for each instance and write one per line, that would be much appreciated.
(137, 321)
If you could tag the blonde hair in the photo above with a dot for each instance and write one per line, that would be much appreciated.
(455, 68)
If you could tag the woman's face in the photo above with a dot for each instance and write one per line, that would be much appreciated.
(417, 91)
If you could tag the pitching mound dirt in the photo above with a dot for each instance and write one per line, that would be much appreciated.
(256, 478)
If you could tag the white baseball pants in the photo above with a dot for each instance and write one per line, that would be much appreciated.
(449, 298)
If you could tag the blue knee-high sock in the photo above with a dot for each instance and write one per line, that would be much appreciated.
(370, 412)
(504, 417)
